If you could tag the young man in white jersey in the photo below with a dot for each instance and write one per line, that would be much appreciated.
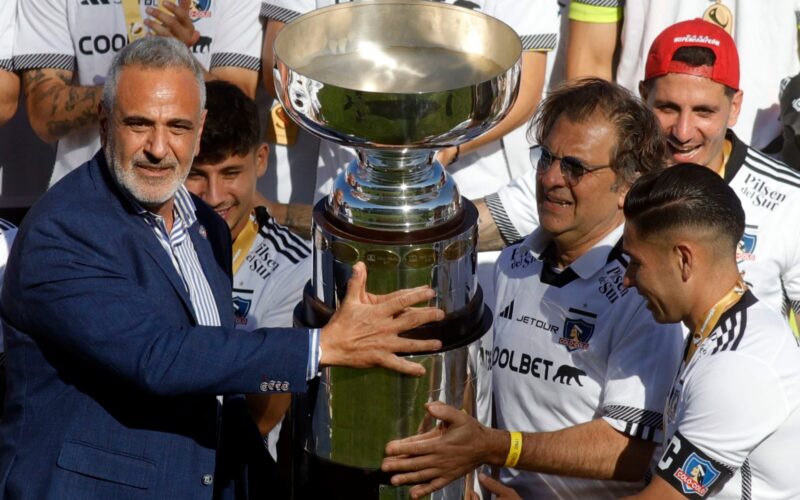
(733, 415)
(271, 265)
(610, 38)
(580, 369)
(64, 48)
(692, 83)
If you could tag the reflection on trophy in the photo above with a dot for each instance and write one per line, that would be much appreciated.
(397, 80)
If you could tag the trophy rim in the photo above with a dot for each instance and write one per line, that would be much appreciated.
(281, 60)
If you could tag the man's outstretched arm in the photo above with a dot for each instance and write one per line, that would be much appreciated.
(592, 450)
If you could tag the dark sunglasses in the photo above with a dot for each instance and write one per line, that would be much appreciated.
(571, 168)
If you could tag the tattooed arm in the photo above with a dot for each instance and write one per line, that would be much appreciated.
(57, 107)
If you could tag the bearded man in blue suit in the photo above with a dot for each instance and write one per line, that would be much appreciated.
(123, 363)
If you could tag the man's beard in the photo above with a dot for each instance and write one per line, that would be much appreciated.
(148, 192)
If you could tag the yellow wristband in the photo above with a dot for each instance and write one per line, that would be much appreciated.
(515, 450)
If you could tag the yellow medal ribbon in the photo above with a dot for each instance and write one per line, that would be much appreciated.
(713, 315)
(243, 243)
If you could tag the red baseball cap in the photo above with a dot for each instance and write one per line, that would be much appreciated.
(694, 33)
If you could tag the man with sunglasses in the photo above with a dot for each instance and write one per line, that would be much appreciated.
(580, 369)
(692, 84)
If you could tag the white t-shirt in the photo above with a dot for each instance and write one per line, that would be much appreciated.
(487, 169)
(269, 283)
(573, 346)
(733, 416)
(8, 16)
(767, 189)
(766, 38)
(83, 36)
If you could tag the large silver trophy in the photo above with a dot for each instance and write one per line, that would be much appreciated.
(397, 80)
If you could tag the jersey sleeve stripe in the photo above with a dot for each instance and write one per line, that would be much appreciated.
(280, 249)
(543, 42)
(7, 64)
(756, 157)
(277, 13)
(747, 480)
(595, 11)
(5, 225)
(299, 243)
(507, 230)
(287, 242)
(235, 60)
(50, 61)
(634, 415)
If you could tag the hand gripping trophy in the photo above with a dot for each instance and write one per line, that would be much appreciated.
(396, 80)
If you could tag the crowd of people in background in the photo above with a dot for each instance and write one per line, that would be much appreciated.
(614, 93)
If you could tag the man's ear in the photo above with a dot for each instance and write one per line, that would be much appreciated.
(686, 259)
(262, 156)
(622, 191)
(643, 90)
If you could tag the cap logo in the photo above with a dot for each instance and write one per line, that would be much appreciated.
(696, 39)
(796, 104)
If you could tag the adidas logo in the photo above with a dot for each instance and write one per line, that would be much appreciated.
(508, 312)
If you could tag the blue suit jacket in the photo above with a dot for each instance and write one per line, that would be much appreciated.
(111, 383)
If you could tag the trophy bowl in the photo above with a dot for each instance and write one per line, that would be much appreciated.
(396, 74)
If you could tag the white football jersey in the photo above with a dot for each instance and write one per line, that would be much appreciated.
(8, 17)
(83, 36)
(766, 39)
(733, 415)
(575, 345)
(269, 283)
(769, 253)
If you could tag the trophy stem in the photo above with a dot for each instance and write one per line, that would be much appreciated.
(396, 166)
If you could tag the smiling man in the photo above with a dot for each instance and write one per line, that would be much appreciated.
(125, 372)
(733, 415)
(580, 370)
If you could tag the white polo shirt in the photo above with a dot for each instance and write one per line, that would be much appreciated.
(83, 36)
(733, 416)
(573, 346)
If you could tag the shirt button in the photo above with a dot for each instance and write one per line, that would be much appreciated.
(207, 479)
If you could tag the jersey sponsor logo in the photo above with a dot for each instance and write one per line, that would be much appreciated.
(101, 44)
(746, 249)
(796, 104)
(521, 363)
(203, 44)
(611, 284)
(508, 313)
(520, 259)
(696, 475)
(261, 261)
(200, 9)
(759, 193)
(241, 306)
(566, 374)
(577, 331)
